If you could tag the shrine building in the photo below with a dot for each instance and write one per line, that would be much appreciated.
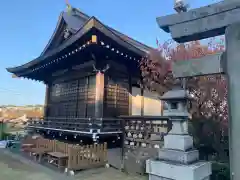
(91, 72)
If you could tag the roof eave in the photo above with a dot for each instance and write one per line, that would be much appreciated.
(91, 23)
(10, 70)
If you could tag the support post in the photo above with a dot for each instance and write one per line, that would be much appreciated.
(130, 95)
(99, 95)
(233, 74)
(142, 97)
(46, 101)
(142, 101)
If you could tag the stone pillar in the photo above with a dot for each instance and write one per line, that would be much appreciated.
(99, 95)
(233, 74)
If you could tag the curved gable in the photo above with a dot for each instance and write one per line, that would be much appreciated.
(78, 24)
(73, 22)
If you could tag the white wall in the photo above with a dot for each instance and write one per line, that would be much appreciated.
(136, 101)
(152, 105)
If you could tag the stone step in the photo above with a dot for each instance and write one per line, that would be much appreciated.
(182, 157)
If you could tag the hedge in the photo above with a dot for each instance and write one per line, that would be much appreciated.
(220, 171)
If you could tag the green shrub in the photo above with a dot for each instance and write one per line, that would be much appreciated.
(220, 171)
(6, 135)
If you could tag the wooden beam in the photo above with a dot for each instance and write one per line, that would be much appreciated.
(201, 23)
(207, 65)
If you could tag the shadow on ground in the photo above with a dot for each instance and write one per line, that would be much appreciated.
(15, 167)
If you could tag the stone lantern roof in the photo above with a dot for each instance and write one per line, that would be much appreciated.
(176, 94)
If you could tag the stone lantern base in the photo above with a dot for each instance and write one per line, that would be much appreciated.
(163, 170)
(178, 160)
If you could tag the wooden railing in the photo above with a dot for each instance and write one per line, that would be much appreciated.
(88, 125)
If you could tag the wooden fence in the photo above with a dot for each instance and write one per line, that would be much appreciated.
(45, 144)
(78, 157)
(29, 142)
(88, 156)
(61, 147)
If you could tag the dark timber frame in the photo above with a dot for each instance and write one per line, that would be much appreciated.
(80, 101)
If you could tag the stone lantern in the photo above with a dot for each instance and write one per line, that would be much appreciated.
(177, 160)
(175, 107)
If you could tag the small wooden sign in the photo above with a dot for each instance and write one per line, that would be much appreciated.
(94, 39)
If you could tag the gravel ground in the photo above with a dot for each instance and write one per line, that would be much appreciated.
(16, 167)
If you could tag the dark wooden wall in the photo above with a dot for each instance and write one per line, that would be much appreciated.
(116, 96)
(73, 94)
(72, 98)
(117, 88)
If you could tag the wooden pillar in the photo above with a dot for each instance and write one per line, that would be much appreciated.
(233, 74)
(142, 97)
(46, 101)
(99, 95)
(130, 95)
(142, 101)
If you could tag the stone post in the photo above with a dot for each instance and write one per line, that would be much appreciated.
(233, 73)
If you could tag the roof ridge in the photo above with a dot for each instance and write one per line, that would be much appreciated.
(84, 15)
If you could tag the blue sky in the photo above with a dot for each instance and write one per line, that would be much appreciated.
(26, 26)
